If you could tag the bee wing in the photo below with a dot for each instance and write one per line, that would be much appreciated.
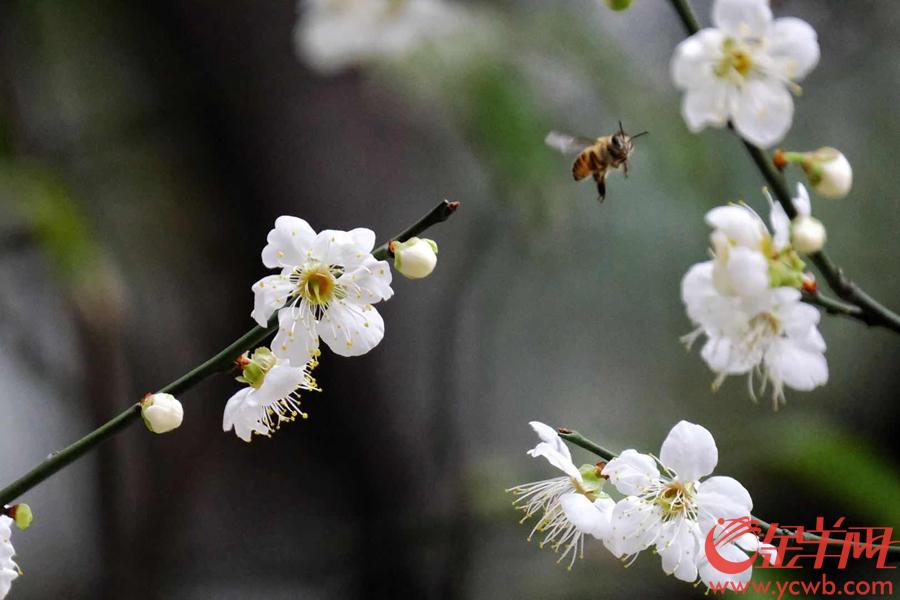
(567, 144)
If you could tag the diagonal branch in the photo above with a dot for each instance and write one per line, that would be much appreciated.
(220, 362)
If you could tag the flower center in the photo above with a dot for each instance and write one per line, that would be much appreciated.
(676, 498)
(764, 325)
(317, 284)
(735, 60)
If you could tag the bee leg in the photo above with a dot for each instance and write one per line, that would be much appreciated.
(601, 187)
(625, 169)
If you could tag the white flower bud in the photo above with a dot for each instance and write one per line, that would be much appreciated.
(829, 173)
(415, 258)
(161, 412)
(807, 234)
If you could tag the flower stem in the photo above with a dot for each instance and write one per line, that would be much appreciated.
(871, 312)
(832, 306)
(438, 214)
(591, 446)
(579, 440)
(686, 15)
(222, 361)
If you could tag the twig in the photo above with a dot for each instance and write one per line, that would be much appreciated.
(832, 306)
(222, 361)
(579, 440)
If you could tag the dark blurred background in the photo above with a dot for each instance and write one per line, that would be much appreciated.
(145, 151)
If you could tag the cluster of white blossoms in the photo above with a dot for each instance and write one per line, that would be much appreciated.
(326, 288)
(8, 568)
(666, 504)
(744, 69)
(747, 302)
(333, 35)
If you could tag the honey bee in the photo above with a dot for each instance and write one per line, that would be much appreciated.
(596, 156)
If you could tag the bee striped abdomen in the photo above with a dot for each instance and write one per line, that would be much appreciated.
(586, 163)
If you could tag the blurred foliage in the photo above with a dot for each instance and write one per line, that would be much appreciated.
(43, 210)
(839, 465)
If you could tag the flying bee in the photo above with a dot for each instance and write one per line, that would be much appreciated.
(596, 156)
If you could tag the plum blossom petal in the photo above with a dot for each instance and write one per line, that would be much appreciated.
(270, 294)
(631, 471)
(691, 64)
(763, 111)
(690, 451)
(351, 329)
(588, 517)
(722, 497)
(678, 545)
(635, 526)
(797, 367)
(747, 271)
(793, 47)
(287, 242)
(742, 18)
(741, 226)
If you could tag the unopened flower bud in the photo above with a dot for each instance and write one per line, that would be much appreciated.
(161, 412)
(415, 258)
(807, 234)
(618, 4)
(827, 169)
(829, 173)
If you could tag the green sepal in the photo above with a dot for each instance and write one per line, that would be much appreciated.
(592, 482)
(261, 362)
(786, 270)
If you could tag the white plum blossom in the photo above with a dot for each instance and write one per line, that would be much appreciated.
(570, 506)
(8, 568)
(746, 302)
(666, 504)
(272, 395)
(333, 35)
(743, 70)
(327, 286)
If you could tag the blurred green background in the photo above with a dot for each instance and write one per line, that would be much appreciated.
(148, 147)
